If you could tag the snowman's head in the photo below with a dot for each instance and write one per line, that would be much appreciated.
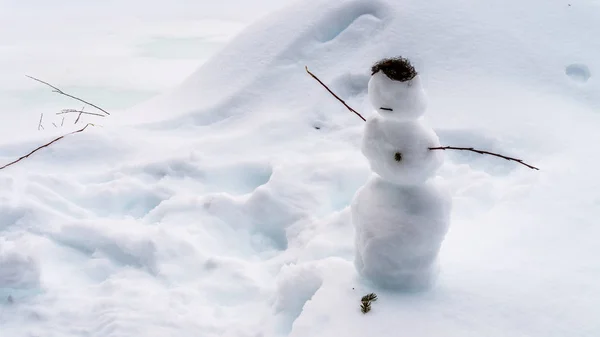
(395, 90)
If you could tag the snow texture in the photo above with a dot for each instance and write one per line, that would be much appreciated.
(219, 205)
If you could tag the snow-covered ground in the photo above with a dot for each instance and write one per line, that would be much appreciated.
(220, 206)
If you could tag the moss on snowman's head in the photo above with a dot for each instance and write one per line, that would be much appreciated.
(395, 68)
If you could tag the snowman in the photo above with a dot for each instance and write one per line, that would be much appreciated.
(401, 215)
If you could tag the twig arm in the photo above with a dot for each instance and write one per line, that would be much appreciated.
(334, 95)
(484, 152)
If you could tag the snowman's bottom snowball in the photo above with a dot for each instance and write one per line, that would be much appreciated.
(399, 232)
(388, 275)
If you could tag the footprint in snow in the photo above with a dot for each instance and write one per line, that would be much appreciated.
(578, 72)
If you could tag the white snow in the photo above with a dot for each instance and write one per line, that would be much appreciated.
(221, 206)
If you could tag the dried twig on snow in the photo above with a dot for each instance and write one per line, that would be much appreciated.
(334, 95)
(58, 91)
(431, 148)
(45, 145)
(40, 126)
(67, 111)
(79, 116)
(80, 112)
(64, 111)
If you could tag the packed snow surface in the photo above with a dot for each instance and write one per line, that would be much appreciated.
(221, 206)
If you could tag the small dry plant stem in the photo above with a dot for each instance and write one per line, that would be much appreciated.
(40, 126)
(431, 148)
(67, 111)
(58, 91)
(64, 111)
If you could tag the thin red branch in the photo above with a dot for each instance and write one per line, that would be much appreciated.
(484, 152)
(58, 91)
(334, 95)
(45, 145)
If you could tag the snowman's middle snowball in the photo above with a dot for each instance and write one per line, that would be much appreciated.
(399, 151)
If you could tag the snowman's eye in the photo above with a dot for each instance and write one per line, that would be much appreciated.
(386, 109)
(398, 156)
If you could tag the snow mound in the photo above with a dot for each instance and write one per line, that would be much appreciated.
(210, 96)
(296, 285)
(345, 38)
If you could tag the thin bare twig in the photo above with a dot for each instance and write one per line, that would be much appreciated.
(62, 122)
(45, 145)
(57, 90)
(54, 124)
(79, 116)
(67, 111)
(40, 126)
(334, 95)
(431, 148)
(484, 152)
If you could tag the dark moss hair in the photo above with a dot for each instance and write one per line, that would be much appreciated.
(396, 68)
